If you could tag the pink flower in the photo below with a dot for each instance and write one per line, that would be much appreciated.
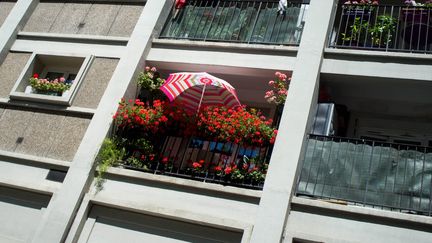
(271, 82)
(147, 68)
(153, 69)
(62, 79)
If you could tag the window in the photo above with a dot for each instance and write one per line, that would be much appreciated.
(51, 78)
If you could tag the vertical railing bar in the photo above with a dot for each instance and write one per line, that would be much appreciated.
(419, 26)
(340, 24)
(397, 36)
(353, 164)
(245, 28)
(427, 29)
(369, 173)
(211, 22)
(430, 188)
(194, 19)
(234, 5)
(255, 22)
(404, 180)
(379, 166)
(389, 31)
(337, 166)
(184, 154)
(290, 34)
(203, 9)
(240, 26)
(319, 165)
(412, 28)
(329, 163)
(422, 177)
(310, 166)
(275, 17)
(397, 169)
(266, 18)
(280, 26)
(223, 19)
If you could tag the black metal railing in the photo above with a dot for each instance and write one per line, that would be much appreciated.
(383, 28)
(368, 173)
(240, 21)
(211, 161)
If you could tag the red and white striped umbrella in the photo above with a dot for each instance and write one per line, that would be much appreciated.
(195, 90)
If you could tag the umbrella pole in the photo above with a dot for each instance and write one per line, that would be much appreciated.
(202, 96)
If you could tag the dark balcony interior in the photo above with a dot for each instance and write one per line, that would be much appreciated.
(380, 153)
(237, 21)
(386, 27)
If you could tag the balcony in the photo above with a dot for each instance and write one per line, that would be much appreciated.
(203, 133)
(387, 28)
(237, 21)
(370, 173)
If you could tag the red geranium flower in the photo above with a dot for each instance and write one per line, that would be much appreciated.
(35, 75)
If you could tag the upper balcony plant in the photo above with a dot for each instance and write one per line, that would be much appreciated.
(359, 7)
(426, 4)
(149, 82)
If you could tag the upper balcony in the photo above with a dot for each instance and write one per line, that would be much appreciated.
(395, 28)
(237, 21)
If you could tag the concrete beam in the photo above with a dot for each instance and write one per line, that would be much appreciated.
(63, 206)
(13, 24)
(298, 112)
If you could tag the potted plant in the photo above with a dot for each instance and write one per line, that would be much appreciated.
(381, 33)
(55, 87)
(149, 82)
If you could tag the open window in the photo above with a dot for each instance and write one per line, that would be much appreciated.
(49, 78)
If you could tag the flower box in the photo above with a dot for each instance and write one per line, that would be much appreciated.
(416, 15)
(41, 68)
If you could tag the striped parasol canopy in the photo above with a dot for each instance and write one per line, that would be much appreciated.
(194, 90)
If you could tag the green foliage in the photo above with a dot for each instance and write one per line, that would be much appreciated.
(150, 79)
(45, 85)
(109, 155)
(382, 32)
(356, 31)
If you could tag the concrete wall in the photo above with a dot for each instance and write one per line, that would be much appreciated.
(20, 212)
(84, 18)
(41, 134)
(5, 8)
(113, 225)
(330, 228)
(95, 83)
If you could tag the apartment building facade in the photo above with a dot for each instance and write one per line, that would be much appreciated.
(366, 178)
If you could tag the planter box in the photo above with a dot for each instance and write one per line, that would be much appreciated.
(71, 67)
(415, 16)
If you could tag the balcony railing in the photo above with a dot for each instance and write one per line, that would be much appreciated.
(224, 163)
(383, 28)
(239, 21)
(368, 173)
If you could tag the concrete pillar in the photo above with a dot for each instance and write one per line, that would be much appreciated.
(13, 23)
(63, 206)
(298, 112)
